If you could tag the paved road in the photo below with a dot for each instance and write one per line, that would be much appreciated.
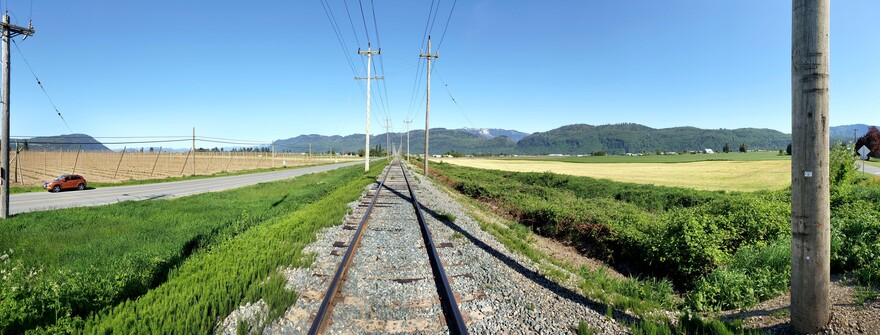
(37, 201)
(869, 168)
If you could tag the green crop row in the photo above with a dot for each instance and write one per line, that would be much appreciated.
(63, 265)
(210, 285)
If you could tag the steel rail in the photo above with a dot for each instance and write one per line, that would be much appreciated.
(322, 318)
(447, 299)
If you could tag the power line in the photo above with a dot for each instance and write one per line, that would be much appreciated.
(364, 18)
(41, 85)
(335, 25)
(446, 86)
(351, 22)
(449, 18)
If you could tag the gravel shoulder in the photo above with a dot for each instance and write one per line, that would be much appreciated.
(847, 315)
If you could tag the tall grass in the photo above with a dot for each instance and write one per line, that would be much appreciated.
(210, 285)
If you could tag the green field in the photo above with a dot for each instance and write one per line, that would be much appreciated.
(61, 267)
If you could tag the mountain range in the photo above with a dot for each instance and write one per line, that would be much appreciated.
(61, 142)
(570, 139)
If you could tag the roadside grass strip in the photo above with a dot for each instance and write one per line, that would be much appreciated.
(60, 267)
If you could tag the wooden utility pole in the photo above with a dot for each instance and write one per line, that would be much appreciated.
(407, 137)
(428, 103)
(9, 31)
(193, 149)
(369, 54)
(387, 137)
(810, 195)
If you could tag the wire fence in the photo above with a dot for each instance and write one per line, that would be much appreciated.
(33, 167)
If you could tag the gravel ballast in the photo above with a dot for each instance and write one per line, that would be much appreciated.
(390, 288)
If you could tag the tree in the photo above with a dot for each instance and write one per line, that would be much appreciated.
(742, 148)
(726, 148)
(788, 149)
(151, 149)
(26, 147)
(872, 140)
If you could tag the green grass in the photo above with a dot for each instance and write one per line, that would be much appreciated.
(872, 162)
(73, 262)
(212, 284)
(26, 189)
(684, 158)
(863, 294)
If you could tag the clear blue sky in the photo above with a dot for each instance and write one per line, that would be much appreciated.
(264, 70)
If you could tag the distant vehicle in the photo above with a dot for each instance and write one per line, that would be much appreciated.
(65, 181)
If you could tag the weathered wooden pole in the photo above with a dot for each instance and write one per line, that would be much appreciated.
(428, 101)
(810, 195)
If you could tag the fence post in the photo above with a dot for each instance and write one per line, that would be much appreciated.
(76, 160)
(184, 164)
(120, 162)
(156, 162)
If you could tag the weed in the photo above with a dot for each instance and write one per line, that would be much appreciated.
(781, 312)
(863, 294)
(585, 329)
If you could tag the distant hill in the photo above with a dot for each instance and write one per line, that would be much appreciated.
(845, 133)
(442, 141)
(636, 138)
(63, 142)
(513, 135)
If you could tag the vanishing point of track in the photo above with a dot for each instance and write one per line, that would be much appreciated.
(393, 248)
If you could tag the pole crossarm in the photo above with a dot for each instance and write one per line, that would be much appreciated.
(17, 30)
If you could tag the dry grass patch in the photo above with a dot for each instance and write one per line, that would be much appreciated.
(708, 175)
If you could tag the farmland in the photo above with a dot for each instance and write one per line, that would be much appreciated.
(28, 168)
(739, 175)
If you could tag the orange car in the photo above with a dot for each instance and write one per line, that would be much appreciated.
(65, 181)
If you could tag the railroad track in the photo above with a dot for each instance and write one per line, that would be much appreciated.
(390, 278)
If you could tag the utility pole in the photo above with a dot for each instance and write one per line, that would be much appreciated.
(194, 151)
(407, 137)
(9, 31)
(810, 197)
(388, 137)
(369, 54)
(428, 103)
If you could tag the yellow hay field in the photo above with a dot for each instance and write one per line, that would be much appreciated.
(705, 175)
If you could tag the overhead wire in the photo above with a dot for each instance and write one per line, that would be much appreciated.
(41, 85)
(353, 31)
(446, 86)
(449, 18)
(364, 18)
(341, 39)
(381, 60)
